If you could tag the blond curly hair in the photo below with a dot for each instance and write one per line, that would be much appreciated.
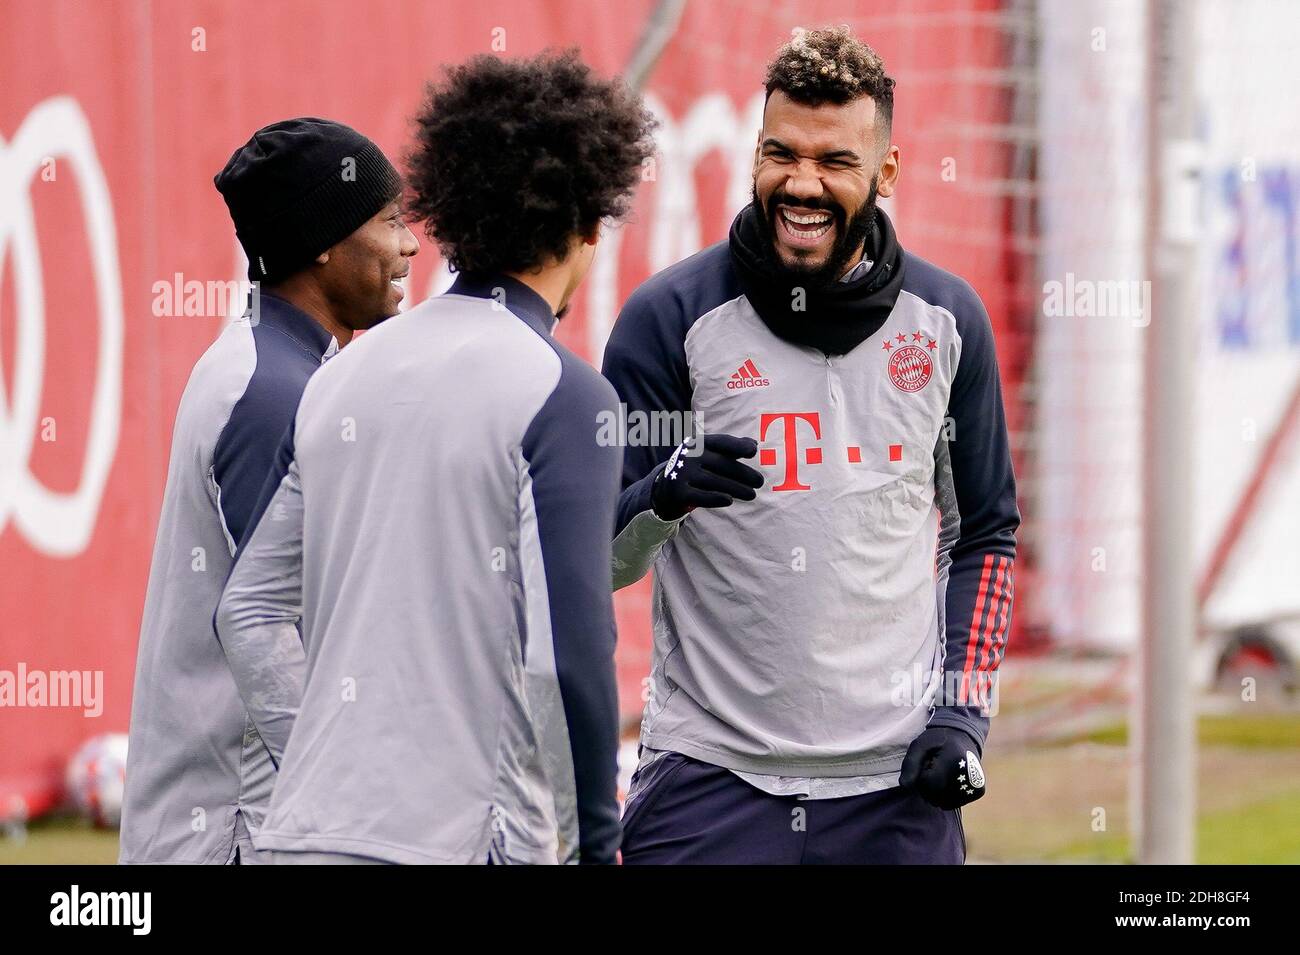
(831, 66)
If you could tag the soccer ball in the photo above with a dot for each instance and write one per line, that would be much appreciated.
(96, 777)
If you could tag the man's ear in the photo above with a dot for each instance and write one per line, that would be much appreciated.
(890, 167)
(323, 258)
(593, 237)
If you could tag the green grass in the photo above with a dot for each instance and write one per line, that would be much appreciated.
(1249, 793)
(60, 840)
(1267, 833)
(1262, 731)
(1262, 833)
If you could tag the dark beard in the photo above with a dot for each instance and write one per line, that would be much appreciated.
(850, 242)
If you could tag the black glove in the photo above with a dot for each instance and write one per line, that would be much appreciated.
(943, 765)
(714, 477)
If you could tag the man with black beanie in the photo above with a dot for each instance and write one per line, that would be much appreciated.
(316, 208)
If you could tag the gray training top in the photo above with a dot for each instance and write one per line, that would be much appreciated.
(442, 533)
(866, 593)
(195, 761)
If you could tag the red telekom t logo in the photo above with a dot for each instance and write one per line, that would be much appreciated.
(791, 423)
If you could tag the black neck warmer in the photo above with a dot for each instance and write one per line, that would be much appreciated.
(836, 318)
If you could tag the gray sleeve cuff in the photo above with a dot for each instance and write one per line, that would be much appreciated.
(638, 544)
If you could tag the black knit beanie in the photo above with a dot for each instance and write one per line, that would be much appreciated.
(299, 187)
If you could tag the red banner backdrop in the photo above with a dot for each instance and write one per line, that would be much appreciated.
(114, 116)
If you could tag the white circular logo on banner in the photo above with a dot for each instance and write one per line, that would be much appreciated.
(56, 523)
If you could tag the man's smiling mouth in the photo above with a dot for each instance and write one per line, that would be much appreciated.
(804, 228)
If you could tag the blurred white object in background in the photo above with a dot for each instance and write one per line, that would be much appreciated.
(95, 778)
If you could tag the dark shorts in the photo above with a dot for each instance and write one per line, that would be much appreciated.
(681, 811)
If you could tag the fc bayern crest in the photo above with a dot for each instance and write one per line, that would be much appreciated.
(910, 368)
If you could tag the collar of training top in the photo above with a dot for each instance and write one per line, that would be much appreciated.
(295, 323)
(508, 293)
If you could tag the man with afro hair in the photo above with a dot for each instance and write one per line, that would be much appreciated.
(441, 530)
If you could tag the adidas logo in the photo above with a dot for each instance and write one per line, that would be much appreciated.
(747, 376)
